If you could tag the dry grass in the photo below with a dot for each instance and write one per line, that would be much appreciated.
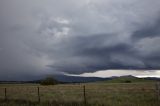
(98, 94)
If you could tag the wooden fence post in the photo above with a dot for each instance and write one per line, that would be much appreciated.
(158, 90)
(158, 84)
(5, 94)
(38, 95)
(84, 95)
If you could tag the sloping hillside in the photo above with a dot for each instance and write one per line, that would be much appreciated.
(128, 79)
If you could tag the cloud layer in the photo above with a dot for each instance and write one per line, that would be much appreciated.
(46, 37)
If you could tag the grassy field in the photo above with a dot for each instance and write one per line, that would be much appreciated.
(97, 94)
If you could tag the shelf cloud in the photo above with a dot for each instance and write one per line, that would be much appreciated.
(67, 36)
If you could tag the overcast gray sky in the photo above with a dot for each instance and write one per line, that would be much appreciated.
(39, 37)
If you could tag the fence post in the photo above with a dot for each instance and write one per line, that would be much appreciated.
(38, 95)
(158, 90)
(5, 94)
(84, 95)
(158, 84)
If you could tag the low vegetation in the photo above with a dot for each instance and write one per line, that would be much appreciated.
(97, 94)
(49, 81)
(128, 79)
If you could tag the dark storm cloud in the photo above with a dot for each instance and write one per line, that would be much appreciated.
(148, 31)
(52, 37)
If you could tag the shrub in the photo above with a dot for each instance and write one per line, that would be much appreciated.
(49, 81)
(127, 81)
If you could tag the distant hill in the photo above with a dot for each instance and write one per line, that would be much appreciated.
(114, 79)
(75, 79)
(61, 79)
(129, 79)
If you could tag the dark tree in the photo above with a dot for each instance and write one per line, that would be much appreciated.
(127, 81)
(49, 81)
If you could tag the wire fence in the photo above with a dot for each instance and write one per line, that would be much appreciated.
(80, 93)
